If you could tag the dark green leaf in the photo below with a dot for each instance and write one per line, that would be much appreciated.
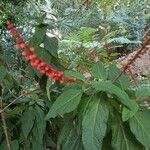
(27, 121)
(126, 113)
(65, 103)
(38, 36)
(15, 145)
(107, 86)
(43, 54)
(3, 73)
(99, 71)
(39, 129)
(122, 139)
(69, 139)
(123, 81)
(79, 76)
(51, 44)
(140, 126)
(107, 142)
(94, 123)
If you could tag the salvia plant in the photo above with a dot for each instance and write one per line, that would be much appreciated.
(49, 105)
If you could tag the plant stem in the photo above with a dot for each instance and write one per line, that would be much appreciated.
(8, 141)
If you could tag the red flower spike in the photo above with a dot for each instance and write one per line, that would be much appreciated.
(43, 71)
(33, 64)
(71, 80)
(27, 58)
(46, 68)
(23, 45)
(37, 63)
(17, 46)
(10, 26)
(19, 40)
(24, 53)
(42, 64)
(30, 57)
(60, 74)
(16, 35)
(33, 56)
(31, 49)
(13, 30)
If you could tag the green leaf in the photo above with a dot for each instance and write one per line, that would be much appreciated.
(65, 103)
(126, 113)
(107, 142)
(99, 71)
(122, 139)
(140, 126)
(51, 44)
(123, 81)
(107, 86)
(73, 141)
(27, 121)
(3, 73)
(43, 54)
(83, 106)
(142, 93)
(38, 36)
(69, 138)
(94, 123)
(15, 145)
(69, 73)
(39, 129)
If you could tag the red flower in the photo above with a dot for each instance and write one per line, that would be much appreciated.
(36, 62)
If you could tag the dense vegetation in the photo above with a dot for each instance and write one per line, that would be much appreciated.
(63, 84)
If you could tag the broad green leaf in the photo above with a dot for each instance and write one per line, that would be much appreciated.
(51, 44)
(3, 145)
(69, 138)
(27, 121)
(38, 36)
(64, 132)
(94, 123)
(65, 103)
(43, 54)
(127, 113)
(17, 110)
(140, 126)
(123, 81)
(69, 73)
(39, 129)
(3, 73)
(107, 86)
(122, 139)
(40, 121)
(15, 145)
(142, 92)
(99, 71)
(83, 106)
(73, 141)
(107, 142)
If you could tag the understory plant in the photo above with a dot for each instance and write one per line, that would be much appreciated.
(48, 104)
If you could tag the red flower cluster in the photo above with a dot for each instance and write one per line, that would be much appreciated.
(29, 54)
